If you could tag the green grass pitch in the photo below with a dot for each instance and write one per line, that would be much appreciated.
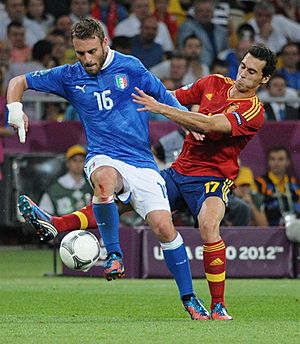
(58, 310)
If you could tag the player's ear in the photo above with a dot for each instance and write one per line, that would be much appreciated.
(105, 41)
(265, 80)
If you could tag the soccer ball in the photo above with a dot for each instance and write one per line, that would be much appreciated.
(79, 250)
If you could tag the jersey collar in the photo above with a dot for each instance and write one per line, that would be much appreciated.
(109, 58)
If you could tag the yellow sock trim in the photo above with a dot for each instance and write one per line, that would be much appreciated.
(215, 278)
(83, 219)
(214, 248)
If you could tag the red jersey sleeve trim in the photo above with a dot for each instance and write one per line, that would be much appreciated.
(253, 111)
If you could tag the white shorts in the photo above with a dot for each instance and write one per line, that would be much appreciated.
(144, 188)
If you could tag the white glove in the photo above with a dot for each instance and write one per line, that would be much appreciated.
(15, 119)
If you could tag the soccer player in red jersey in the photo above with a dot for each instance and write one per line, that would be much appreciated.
(230, 114)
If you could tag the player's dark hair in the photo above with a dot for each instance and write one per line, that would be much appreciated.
(279, 148)
(88, 28)
(263, 53)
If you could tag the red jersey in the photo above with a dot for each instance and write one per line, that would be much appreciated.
(217, 155)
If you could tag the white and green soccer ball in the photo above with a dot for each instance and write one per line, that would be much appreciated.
(79, 250)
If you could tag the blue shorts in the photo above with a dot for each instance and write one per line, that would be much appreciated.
(188, 191)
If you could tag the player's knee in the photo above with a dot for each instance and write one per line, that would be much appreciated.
(104, 183)
(209, 230)
(164, 230)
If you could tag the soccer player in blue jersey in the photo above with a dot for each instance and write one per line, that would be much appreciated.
(119, 160)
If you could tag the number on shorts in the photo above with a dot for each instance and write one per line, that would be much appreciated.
(211, 186)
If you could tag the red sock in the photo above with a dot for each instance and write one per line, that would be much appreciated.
(214, 257)
(81, 219)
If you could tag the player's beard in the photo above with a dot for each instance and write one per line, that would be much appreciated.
(89, 68)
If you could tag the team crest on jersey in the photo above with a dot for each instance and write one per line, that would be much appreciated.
(231, 108)
(121, 81)
(209, 96)
(41, 72)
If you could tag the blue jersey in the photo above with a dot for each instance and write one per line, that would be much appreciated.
(110, 119)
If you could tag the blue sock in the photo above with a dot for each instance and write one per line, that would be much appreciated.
(178, 263)
(107, 218)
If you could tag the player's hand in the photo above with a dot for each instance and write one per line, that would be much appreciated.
(150, 104)
(197, 136)
(18, 120)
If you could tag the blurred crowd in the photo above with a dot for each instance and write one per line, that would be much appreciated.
(180, 41)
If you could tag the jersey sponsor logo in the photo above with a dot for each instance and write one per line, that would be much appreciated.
(209, 96)
(41, 72)
(237, 117)
(77, 87)
(121, 81)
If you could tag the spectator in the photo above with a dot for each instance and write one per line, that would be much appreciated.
(192, 51)
(178, 69)
(238, 212)
(131, 26)
(168, 147)
(57, 7)
(41, 59)
(273, 30)
(37, 15)
(233, 57)
(281, 103)
(143, 45)
(219, 67)
(15, 10)
(281, 192)
(213, 37)
(71, 191)
(19, 50)
(4, 54)
(288, 8)
(79, 9)
(110, 12)
(246, 190)
(290, 56)
(64, 24)
(82, 9)
(122, 44)
(161, 12)
(176, 8)
(59, 45)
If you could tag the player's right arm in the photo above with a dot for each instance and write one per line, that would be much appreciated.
(50, 80)
(16, 117)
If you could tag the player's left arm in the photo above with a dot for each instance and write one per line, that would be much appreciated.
(191, 120)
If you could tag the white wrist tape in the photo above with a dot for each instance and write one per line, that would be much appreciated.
(15, 117)
(15, 107)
